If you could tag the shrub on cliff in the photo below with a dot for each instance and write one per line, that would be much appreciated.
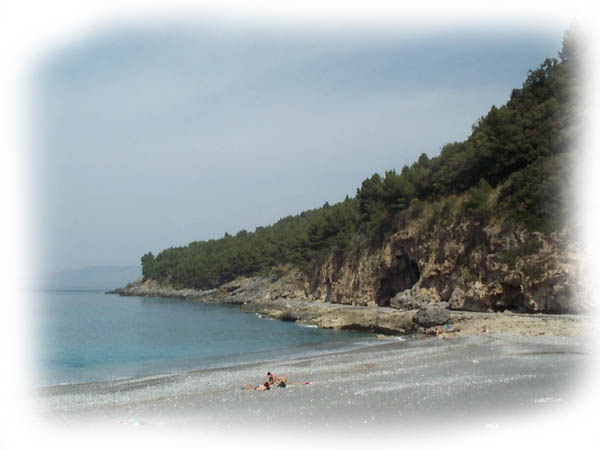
(477, 206)
(537, 196)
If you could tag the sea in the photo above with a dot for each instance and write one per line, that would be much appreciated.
(86, 335)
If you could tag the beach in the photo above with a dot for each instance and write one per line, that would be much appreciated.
(481, 379)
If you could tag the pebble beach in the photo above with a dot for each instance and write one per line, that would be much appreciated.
(479, 369)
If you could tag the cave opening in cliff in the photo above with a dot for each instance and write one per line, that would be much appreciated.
(402, 274)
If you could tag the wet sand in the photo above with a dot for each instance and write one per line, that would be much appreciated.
(479, 379)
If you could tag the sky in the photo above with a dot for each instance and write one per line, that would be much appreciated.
(153, 136)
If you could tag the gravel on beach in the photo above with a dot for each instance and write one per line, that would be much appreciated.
(402, 384)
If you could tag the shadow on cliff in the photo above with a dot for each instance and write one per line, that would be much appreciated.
(402, 274)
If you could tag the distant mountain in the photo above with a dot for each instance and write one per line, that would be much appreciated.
(92, 277)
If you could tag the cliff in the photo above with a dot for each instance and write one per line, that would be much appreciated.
(471, 267)
(428, 268)
(457, 263)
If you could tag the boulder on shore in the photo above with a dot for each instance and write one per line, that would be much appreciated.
(414, 298)
(341, 317)
(432, 315)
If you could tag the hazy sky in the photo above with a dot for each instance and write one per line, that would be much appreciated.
(150, 137)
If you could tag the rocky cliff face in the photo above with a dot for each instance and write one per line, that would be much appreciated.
(460, 265)
(464, 266)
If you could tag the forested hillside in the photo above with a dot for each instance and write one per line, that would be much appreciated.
(512, 170)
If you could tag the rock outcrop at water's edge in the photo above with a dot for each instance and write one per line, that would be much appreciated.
(270, 298)
(236, 293)
(412, 282)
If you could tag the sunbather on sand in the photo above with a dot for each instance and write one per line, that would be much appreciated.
(266, 386)
(279, 381)
(274, 379)
(271, 380)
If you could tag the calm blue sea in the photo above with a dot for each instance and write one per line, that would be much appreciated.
(86, 335)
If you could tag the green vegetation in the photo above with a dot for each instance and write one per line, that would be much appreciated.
(477, 206)
(533, 271)
(512, 168)
(511, 255)
(536, 196)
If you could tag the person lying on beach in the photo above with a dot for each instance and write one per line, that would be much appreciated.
(280, 381)
(260, 387)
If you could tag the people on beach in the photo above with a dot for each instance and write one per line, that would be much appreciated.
(260, 387)
(271, 380)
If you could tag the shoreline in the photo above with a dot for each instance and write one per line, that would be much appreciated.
(260, 358)
(388, 384)
(426, 319)
(227, 366)
(461, 324)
